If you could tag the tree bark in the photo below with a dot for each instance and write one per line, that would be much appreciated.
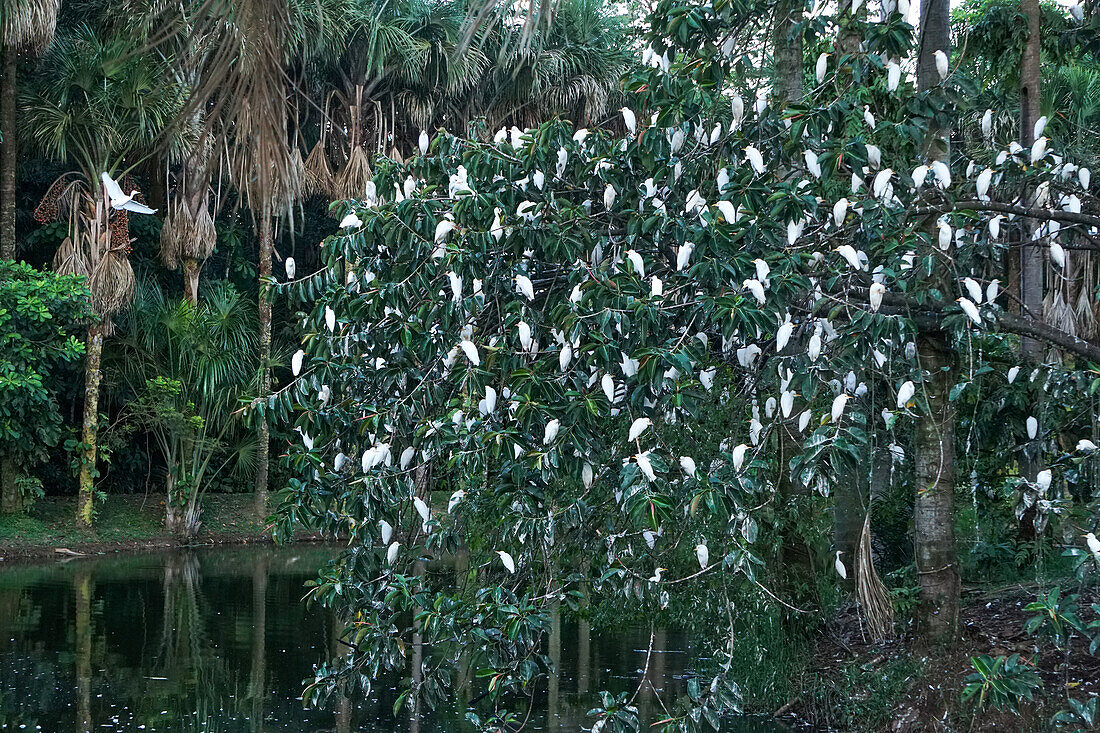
(266, 249)
(787, 52)
(8, 153)
(191, 270)
(11, 499)
(934, 450)
(1031, 255)
(933, 513)
(92, 375)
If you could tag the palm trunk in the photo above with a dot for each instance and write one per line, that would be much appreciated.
(266, 249)
(191, 270)
(92, 375)
(8, 158)
(934, 449)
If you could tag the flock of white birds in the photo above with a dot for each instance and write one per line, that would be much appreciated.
(978, 181)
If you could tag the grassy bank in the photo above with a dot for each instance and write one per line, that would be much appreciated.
(122, 523)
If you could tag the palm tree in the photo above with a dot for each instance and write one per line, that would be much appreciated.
(99, 102)
(189, 366)
(25, 26)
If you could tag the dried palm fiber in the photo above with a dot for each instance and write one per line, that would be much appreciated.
(188, 232)
(873, 597)
(28, 26)
(112, 286)
(69, 259)
(1084, 304)
(351, 181)
(319, 179)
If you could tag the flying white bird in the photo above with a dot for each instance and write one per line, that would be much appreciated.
(121, 201)
(638, 427)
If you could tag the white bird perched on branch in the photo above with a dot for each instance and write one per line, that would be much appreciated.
(636, 261)
(893, 75)
(609, 194)
(630, 120)
(638, 427)
(1093, 545)
(1032, 427)
(121, 201)
(391, 553)
(1043, 479)
(756, 160)
(942, 65)
(840, 569)
(821, 67)
(756, 288)
(296, 362)
(683, 255)
(738, 455)
(470, 350)
(687, 465)
(551, 431)
(876, 291)
(840, 211)
(812, 164)
(973, 289)
(525, 287)
(839, 402)
(702, 554)
(656, 577)
(905, 393)
(987, 124)
(291, 268)
(507, 561)
(848, 252)
(645, 466)
(981, 184)
(970, 310)
(1085, 445)
(881, 183)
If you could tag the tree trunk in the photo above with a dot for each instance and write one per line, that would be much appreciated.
(796, 557)
(11, 499)
(787, 53)
(8, 157)
(82, 654)
(934, 449)
(266, 249)
(191, 270)
(933, 513)
(88, 473)
(257, 681)
(1031, 255)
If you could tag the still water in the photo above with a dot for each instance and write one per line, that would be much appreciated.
(220, 640)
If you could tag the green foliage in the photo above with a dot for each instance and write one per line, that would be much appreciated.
(189, 369)
(1004, 682)
(41, 315)
(1055, 616)
(1081, 715)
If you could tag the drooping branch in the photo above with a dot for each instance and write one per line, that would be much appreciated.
(1059, 215)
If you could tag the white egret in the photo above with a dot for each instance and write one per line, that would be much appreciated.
(783, 335)
(840, 569)
(762, 269)
(607, 384)
(421, 508)
(456, 285)
(507, 561)
(706, 378)
(551, 431)
(1085, 445)
(905, 394)
(1093, 545)
(839, 403)
(1032, 427)
(756, 160)
(1038, 149)
(638, 427)
(992, 290)
(812, 164)
(588, 475)
(881, 183)
(496, 229)
(565, 356)
(942, 173)
(981, 184)
(470, 350)
(728, 211)
(944, 235)
(525, 287)
(630, 120)
(1043, 479)
(330, 318)
(840, 211)
(656, 577)
(893, 75)
(848, 252)
(296, 362)
(456, 497)
(875, 293)
(121, 201)
(683, 255)
(987, 124)
(973, 289)
(821, 67)
(443, 228)
(391, 553)
(738, 455)
(1012, 374)
(941, 63)
(406, 457)
(609, 194)
(1057, 254)
(423, 142)
(702, 554)
(636, 261)
(919, 174)
(756, 288)
(290, 268)
(970, 310)
(645, 466)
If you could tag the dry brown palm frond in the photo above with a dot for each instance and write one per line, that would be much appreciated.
(874, 599)
(319, 179)
(69, 259)
(352, 179)
(112, 285)
(186, 235)
(28, 25)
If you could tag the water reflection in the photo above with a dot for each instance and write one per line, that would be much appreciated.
(219, 640)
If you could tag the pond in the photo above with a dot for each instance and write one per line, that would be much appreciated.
(219, 640)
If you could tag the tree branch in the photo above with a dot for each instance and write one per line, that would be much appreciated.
(1045, 214)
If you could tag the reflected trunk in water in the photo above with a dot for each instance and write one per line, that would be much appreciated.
(553, 702)
(83, 649)
(257, 678)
